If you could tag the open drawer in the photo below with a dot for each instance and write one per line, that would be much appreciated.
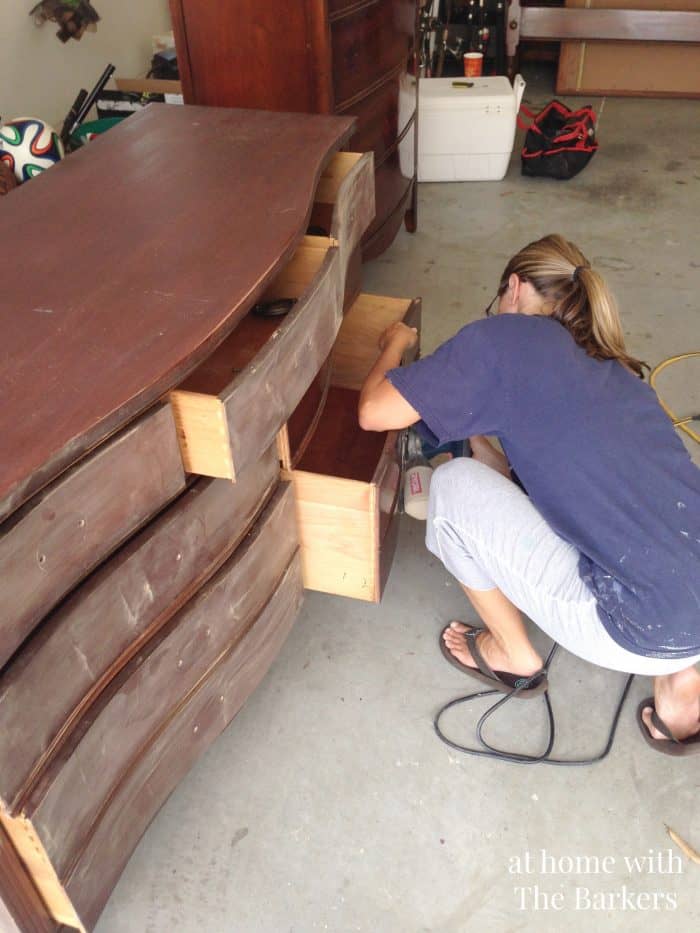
(344, 205)
(347, 481)
(229, 410)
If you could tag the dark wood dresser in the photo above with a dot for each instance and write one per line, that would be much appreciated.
(348, 57)
(176, 465)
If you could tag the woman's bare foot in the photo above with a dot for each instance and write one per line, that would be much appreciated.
(677, 704)
(499, 658)
(484, 451)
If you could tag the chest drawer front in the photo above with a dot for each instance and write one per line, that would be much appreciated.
(54, 541)
(68, 804)
(369, 42)
(203, 715)
(383, 116)
(232, 407)
(107, 620)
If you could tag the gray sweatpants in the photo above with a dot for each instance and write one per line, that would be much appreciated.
(488, 534)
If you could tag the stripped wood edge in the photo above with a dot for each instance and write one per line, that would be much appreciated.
(334, 174)
(35, 859)
(374, 541)
(283, 450)
(22, 910)
(202, 432)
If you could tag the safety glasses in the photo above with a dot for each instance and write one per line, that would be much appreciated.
(488, 309)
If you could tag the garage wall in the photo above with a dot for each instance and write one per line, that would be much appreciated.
(40, 76)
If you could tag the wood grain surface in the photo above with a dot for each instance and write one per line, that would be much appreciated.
(244, 53)
(129, 261)
(58, 674)
(75, 522)
(116, 732)
(371, 44)
(192, 726)
(21, 908)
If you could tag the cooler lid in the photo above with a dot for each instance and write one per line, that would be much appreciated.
(456, 94)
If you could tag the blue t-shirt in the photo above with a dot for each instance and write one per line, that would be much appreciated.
(598, 457)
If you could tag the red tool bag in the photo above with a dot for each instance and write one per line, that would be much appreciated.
(559, 141)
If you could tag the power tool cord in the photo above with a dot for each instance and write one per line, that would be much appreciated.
(681, 423)
(499, 754)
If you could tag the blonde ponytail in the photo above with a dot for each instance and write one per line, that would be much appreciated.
(575, 295)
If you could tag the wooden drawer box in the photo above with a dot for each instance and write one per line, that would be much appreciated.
(346, 483)
(230, 409)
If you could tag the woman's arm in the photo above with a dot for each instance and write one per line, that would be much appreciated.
(381, 406)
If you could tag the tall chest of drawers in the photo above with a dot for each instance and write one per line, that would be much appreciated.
(349, 57)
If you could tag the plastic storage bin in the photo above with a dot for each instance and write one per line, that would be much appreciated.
(466, 133)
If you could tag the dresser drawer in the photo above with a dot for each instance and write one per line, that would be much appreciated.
(369, 41)
(56, 538)
(106, 621)
(230, 409)
(347, 482)
(344, 204)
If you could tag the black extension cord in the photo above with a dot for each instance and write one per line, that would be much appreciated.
(488, 751)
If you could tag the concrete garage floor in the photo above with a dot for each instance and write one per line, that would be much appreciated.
(329, 803)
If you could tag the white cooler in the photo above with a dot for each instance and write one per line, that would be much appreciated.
(466, 133)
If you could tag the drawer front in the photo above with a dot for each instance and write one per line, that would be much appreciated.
(346, 188)
(369, 42)
(384, 116)
(267, 392)
(108, 619)
(202, 716)
(387, 480)
(61, 534)
(222, 434)
(68, 804)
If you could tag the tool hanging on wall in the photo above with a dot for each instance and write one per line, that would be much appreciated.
(82, 105)
(73, 16)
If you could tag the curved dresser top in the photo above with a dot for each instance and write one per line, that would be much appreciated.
(130, 261)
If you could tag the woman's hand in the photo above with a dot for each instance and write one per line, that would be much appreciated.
(399, 335)
(381, 406)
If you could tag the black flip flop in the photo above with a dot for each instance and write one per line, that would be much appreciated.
(669, 745)
(503, 681)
